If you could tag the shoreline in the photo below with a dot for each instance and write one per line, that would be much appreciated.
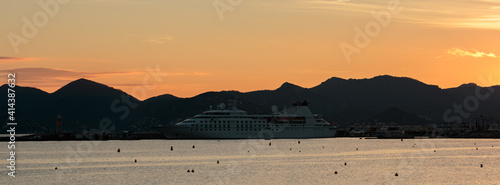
(30, 138)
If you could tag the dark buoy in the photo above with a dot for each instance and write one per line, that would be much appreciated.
(56, 167)
(189, 171)
(335, 172)
(476, 148)
(356, 148)
(118, 150)
(193, 146)
(434, 150)
(192, 171)
(300, 150)
(171, 148)
(290, 148)
(345, 163)
(248, 151)
(218, 140)
(401, 139)
(299, 142)
(269, 143)
(360, 138)
(396, 174)
(135, 160)
(481, 166)
(217, 161)
(323, 146)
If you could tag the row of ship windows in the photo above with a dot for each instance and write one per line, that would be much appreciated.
(230, 129)
(243, 126)
(202, 121)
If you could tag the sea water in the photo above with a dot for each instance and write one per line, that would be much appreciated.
(282, 161)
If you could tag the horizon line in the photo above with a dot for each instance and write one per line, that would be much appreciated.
(234, 90)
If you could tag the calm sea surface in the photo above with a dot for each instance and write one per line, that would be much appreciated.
(313, 161)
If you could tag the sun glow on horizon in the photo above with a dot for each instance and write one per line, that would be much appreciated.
(258, 45)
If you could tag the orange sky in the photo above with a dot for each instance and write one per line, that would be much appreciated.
(188, 47)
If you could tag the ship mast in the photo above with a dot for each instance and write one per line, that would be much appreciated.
(235, 102)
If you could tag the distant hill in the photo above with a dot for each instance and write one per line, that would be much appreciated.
(84, 103)
(399, 116)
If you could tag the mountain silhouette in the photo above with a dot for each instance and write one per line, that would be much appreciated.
(88, 88)
(84, 104)
(397, 115)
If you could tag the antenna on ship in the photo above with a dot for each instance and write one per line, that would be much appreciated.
(235, 102)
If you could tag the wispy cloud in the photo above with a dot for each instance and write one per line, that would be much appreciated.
(200, 73)
(50, 77)
(187, 73)
(8, 58)
(160, 40)
(114, 2)
(328, 1)
(5, 58)
(436, 13)
(471, 53)
(459, 14)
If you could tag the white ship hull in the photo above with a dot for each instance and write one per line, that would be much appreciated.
(295, 122)
(182, 132)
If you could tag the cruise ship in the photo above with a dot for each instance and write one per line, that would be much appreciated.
(232, 123)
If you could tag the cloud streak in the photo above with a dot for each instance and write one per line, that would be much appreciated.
(437, 13)
(5, 58)
(56, 78)
(159, 40)
(8, 58)
(50, 77)
(44, 73)
(473, 53)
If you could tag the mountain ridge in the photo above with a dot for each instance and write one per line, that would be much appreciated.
(85, 103)
(283, 85)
